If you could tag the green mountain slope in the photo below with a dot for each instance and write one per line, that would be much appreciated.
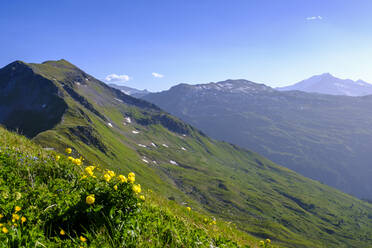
(174, 159)
(327, 138)
(49, 201)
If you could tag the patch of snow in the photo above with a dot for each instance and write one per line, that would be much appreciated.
(77, 83)
(135, 132)
(127, 119)
(141, 145)
(125, 92)
(109, 124)
(44, 105)
(183, 148)
(86, 79)
(118, 100)
(144, 160)
(173, 162)
(184, 135)
(154, 162)
(165, 145)
(153, 144)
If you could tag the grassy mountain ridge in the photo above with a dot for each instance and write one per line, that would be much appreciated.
(324, 137)
(184, 165)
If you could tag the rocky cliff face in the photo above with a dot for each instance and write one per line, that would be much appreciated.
(29, 102)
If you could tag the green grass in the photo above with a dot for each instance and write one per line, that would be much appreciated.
(52, 196)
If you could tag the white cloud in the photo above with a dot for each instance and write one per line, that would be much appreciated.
(312, 18)
(114, 78)
(157, 75)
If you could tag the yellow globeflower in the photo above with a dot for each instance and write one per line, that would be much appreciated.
(17, 209)
(83, 239)
(115, 187)
(188, 209)
(1, 216)
(122, 179)
(111, 173)
(107, 177)
(70, 158)
(268, 241)
(142, 197)
(89, 170)
(137, 188)
(262, 243)
(62, 232)
(90, 199)
(23, 220)
(4, 229)
(68, 150)
(77, 161)
(131, 177)
(57, 157)
(15, 217)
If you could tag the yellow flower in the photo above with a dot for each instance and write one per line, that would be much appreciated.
(23, 219)
(268, 241)
(17, 209)
(4, 229)
(111, 173)
(142, 197)
(62, 232)
(57, 157)
(107, 177)
(262, 243)
(89, 170)
(131, 177)
(70, 158)
(1, 224)
(122, 179)
(15, 217)
(68, 150)
(137, 188)
(83, 239)
(90, 199)
(83, 177)
(1, 216)
(77, 161)
(115, 187)
(15, 224)
(188, 209)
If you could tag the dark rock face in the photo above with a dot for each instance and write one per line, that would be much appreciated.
(29, 103)
(89, 136)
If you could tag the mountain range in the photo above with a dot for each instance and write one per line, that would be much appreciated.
(58, 105)
(130, 91)
(324, 137)
(328, 84)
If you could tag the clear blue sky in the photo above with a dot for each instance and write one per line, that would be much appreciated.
(276, 42)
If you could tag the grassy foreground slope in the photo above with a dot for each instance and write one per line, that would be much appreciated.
(177, 161)
(45, 203)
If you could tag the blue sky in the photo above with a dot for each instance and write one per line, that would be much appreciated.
(276, 42)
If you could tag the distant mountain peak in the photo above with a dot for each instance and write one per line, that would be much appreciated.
(326, 83)
(227, 86)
